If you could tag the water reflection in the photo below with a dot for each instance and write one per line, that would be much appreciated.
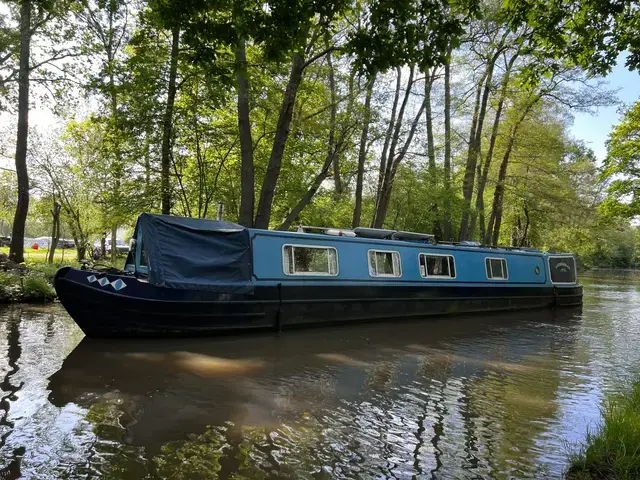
(475, 397)
(420, 398)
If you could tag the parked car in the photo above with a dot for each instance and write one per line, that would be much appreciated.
(66, 243)
(121, 246)
(5, 241)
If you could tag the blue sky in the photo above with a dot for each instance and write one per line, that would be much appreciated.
(595, 129)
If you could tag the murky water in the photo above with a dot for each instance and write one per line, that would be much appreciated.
(496, 396)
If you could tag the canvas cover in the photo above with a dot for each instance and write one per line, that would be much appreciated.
(193, 253)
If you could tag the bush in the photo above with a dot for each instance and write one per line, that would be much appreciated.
(613, 450)
(25, 287)
(35, 287)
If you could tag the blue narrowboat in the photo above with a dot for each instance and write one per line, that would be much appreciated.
(193, 276)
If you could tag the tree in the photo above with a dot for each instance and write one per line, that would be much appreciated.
(622, 166)
(590, 33)
(36, 17)
(16, 252)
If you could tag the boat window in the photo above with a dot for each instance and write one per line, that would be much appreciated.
(309, 260)
(563, 269)
(496, 268)
(437, 266)
(384, 264)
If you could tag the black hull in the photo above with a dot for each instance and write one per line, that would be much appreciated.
(141, 309)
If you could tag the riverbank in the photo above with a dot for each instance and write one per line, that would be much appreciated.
(28, 283)
(613, 450)
(32, 281)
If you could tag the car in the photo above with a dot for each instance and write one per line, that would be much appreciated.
(66, 243)
(121, 246)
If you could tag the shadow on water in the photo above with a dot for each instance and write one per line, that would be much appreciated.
(439, 398)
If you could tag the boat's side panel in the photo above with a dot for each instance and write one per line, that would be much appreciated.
(523, 268)
(307, 304)
(139, 308)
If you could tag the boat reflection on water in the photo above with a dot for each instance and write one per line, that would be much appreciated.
(447, 396)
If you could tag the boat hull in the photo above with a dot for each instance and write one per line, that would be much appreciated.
(141, 309)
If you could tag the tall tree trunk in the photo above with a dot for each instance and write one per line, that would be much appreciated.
(247, 181)
(16, 252)
(393, 162)
(482, 181)
(337, 179)
(446, 234)
(388, 159)
(362, 152)
(387, 141)
(495, 220)
(282, 134)
(114, 249)
(306, 199)
(55, 230)
(430, 78)
(475, 140)
(333, 152)
(167, 127)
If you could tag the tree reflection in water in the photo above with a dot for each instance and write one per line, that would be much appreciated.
(440, 398)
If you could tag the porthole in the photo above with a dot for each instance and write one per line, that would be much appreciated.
(537, 270)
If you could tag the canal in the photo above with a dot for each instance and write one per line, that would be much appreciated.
(496, 396)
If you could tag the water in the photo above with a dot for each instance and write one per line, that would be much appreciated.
(498, 396)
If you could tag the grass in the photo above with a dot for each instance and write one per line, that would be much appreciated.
(35, 284)
(613, 450)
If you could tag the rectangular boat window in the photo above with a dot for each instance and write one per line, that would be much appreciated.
(384, 264)
(309, 260)
(437, 266)
(562, 269)
(496, 268)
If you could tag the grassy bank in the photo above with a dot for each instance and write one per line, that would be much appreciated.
(35, 282)
(613, 450)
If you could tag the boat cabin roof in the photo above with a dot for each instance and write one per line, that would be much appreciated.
(390, 237)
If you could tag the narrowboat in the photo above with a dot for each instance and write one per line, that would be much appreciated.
(186, 276)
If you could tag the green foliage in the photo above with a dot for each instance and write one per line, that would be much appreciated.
(612, 451)
(25, 287)
(591, 33)
(622, 166)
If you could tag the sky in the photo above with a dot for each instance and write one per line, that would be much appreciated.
(594, 129)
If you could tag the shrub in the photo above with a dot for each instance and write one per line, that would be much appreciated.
(35, 287)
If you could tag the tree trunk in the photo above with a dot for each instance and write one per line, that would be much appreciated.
(495, 220)
(247, 181)
(482, 181)
(362, 153)
(393, 162)
(337, 179)
(16, 252)
(446, 234)
(475, 138)
(525, 232)
(493, 230)
(282, 133)
(388, 159)
(387, 141)
(306, 199)
(168, 122)
(114, 250)
(431, 150)
(55, 230)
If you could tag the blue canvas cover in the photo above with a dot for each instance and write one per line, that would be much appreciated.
(193, 253)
